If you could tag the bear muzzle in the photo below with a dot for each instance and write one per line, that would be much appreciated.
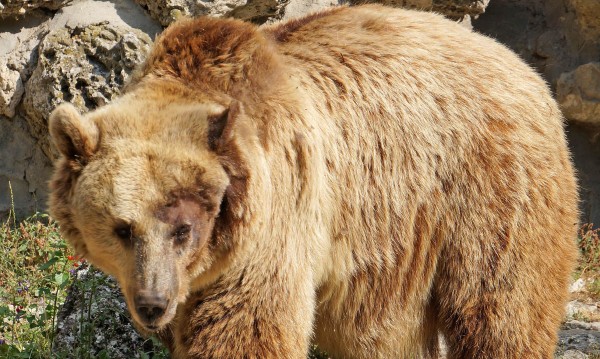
(150, 307)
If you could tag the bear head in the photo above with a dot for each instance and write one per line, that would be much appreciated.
(142, 186)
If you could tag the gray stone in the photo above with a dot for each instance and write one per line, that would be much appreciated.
(23, 7)
(578, 93)
(18, 41)
(296, 8)
(458, 9)
(584, 341)
(167, 11)
(24, 170)
(573, 354)
(257, 11)
(84, 65)
(119, 13)
(454, 9)
(579, 310)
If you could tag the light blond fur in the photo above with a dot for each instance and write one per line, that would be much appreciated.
(365, 178)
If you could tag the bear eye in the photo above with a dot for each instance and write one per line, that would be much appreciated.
(124, 232)
(181, 233)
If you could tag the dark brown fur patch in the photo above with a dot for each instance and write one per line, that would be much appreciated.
(286, 29)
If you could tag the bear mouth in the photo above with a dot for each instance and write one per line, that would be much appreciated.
(151, 328)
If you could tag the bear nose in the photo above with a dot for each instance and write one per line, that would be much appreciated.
(150, 305)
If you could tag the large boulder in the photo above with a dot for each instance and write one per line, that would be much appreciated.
(85, 65)
(261, 11)
(24, 170)
(18, 43)
(82, 52)
(578, 93)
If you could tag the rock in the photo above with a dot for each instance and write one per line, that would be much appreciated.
(94, 322)
(21, 7)
(24, 158)
(460, 8)
(584, 341)
(578, 93)
(577, 286)
(261, 11)
(24, 166)
(454, 9)
(167, 11)
(85, 65)
(295, 8)
(573, 354)
(579, 310)
(587, 17)
(578, 324)
(18, 41)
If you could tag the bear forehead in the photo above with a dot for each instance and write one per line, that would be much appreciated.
(134, 182)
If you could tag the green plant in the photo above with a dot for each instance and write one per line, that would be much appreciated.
(589, 248)
(37, 271)
(34, 274)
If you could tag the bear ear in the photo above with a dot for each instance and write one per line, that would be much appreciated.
(222, 123)
(231, 138)
(75, 136)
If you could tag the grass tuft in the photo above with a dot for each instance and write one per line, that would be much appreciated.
(589, 248)
(34, 274)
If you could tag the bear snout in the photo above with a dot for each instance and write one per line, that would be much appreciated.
(150, 306)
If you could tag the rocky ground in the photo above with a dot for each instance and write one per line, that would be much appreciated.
(97, 300)
(580, 334)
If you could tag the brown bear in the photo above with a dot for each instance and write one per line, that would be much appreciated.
(363, 178)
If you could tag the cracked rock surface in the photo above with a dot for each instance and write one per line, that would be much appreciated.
(16, 52)
(85, 65)
(578, 93)
(167, 11)
(23, 7)
(82, 52)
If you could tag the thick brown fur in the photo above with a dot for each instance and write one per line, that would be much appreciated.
(365, 178)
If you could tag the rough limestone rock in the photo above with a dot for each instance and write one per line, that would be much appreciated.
(580, 338)
(261, 11)
(167, 11)
(457, 9)
(22, 7)
(24, 165)
(17, 45)
(23, 157)
(578, 93)
(573, 354)
(86, 66)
